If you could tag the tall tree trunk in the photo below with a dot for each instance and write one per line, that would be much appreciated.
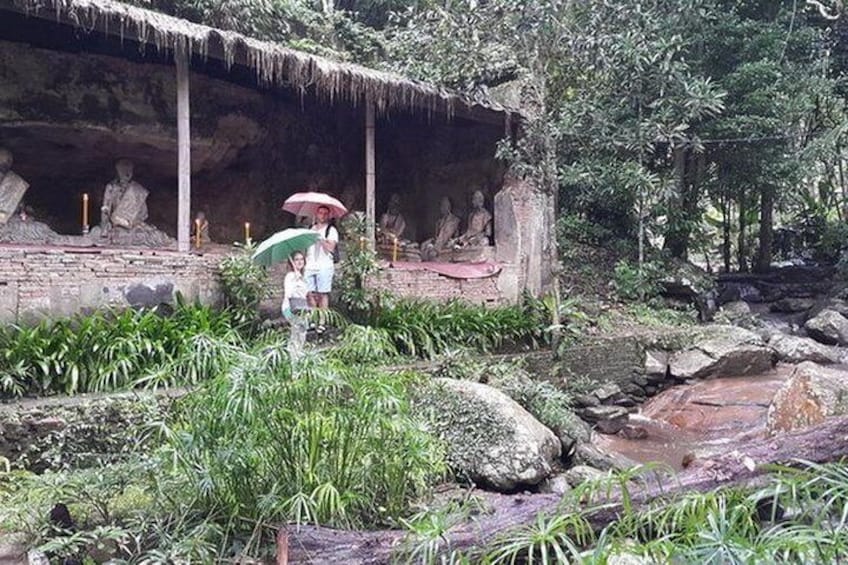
(741, 247)
(677, 233)
(725, 226)
(764, 252)
(843, 201)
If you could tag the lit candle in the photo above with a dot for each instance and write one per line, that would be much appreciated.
(85, 212)
(395, 251)
(197, 233)
(247, 232)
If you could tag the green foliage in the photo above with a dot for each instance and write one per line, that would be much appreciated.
(832, 241)
(548, 540)
(636, 283)
(576, 227)
(428, 528)
(129, 511)
(364, 344)
(321, 442)
(359, 262)
(81, 439)
(659, 316)
(105, 351)
(244, 284)
(425, 328)
(344, 33)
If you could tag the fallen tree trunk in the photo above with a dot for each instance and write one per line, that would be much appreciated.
(739, 465)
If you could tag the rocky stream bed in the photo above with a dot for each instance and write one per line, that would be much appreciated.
(767, 382)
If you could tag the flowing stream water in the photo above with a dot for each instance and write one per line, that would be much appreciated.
(697, 417)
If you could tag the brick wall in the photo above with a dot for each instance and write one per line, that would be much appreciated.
(36, 282)
(421, 283)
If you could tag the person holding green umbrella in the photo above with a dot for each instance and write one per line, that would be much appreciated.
(289, 245)
(294, 304)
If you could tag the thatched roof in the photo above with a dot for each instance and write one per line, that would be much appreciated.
(273, 64)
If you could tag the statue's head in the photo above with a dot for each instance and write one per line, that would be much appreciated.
(477, 199)
(5, 160)
(394, 203)
(445, 205)
(124, 168)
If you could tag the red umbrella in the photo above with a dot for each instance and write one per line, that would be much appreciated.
(307, 203)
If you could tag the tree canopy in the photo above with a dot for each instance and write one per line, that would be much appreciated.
(699, 126)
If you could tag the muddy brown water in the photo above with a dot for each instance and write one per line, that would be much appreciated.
(698, 417)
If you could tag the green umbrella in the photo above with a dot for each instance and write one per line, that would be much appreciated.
(281, 245)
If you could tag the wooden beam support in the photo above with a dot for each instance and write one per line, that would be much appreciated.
(370, 172)
(181, 58)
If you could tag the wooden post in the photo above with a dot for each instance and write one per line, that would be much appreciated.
(181, 58)
(370, 174)
(282, 546)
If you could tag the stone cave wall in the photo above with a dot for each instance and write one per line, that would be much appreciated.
(68, 116)
(423, 160)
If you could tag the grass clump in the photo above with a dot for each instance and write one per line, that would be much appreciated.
(110, 350)
(322, 442)
(426, 329)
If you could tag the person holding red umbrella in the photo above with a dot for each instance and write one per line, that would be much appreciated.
(319, 265)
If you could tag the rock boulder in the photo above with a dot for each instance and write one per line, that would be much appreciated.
(828, 327)
(722, 351)
(811, 394)
(491, 439)
(793, 349)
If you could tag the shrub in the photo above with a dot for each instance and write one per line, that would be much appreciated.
(633, 283)
(244, 284)
(364, 344)
(425, 329)
(832, 241)
(575, 227)
(105, 351)
(359, 261)
(323, 442)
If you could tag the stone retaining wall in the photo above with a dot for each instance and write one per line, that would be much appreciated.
(80, 431)
(421, 283)
(36, 282)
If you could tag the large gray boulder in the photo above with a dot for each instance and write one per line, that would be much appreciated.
(490, 438)
(829, 327)
(811, 394)
(545, 402)
(794, 349)
(722, 351)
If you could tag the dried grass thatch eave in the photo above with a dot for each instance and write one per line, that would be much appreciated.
(273, 64)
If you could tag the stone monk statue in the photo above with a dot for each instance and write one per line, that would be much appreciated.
(392, 222)
(16, 221)
(478, 233)
(124, 200)
(124, 211)
(12, 187)
(447, 226)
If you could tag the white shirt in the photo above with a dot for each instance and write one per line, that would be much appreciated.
(294, 286)
(317, 258)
